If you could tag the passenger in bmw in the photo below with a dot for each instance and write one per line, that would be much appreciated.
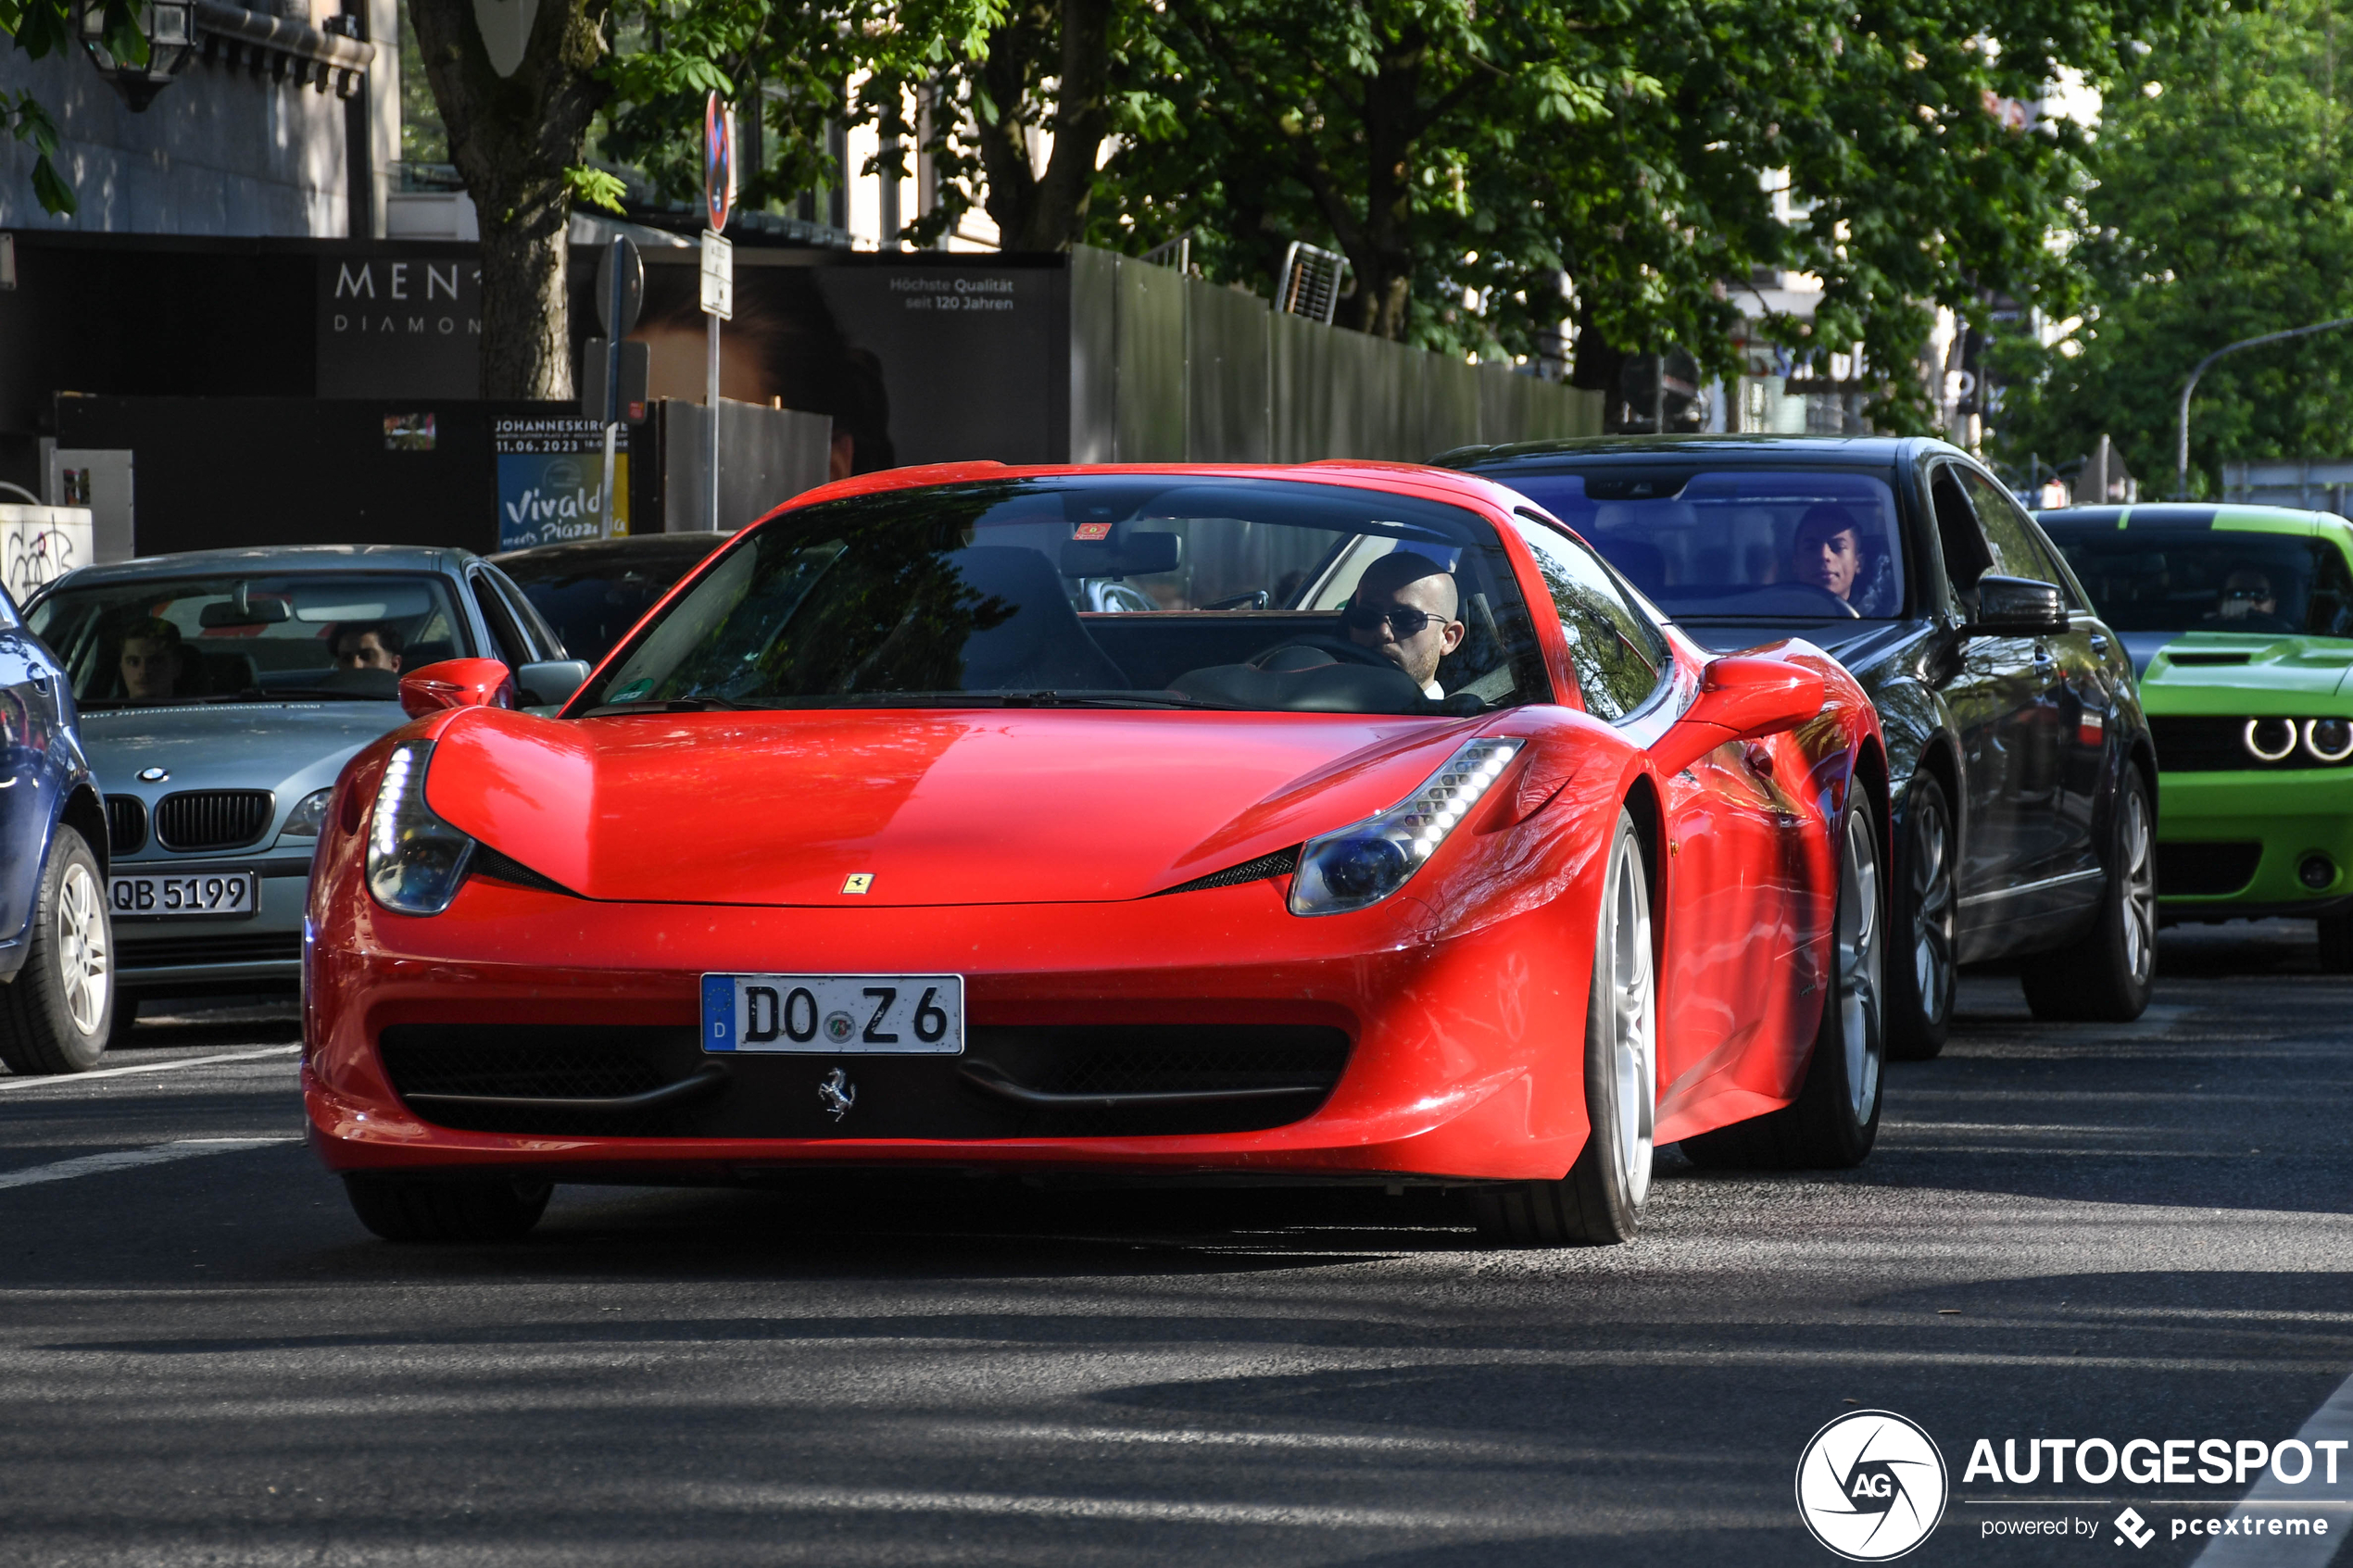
(367, 644)
(1405, 610)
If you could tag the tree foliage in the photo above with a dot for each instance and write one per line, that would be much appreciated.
(2221, 212)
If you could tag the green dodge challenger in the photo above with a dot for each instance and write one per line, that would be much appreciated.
(2240, 622)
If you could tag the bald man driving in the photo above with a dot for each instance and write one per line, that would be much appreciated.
(1403, 609)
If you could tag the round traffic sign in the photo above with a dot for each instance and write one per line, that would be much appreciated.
(718, 162)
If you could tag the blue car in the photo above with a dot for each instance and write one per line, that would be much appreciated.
(221, 691)
(56, 950)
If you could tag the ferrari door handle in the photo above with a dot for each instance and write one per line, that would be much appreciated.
(1760, 759)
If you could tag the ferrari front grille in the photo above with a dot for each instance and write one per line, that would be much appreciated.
(1282, 862)
(199, 820)
(126, 824)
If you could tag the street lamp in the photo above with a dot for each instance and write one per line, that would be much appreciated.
(169, 29)
(2182, 425)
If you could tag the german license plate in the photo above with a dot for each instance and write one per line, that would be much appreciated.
(834, 1014)
(164, 895)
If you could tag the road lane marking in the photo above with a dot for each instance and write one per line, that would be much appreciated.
(52, 1082)
(131, 1159)
(2333, 1420)
(1155, 1511)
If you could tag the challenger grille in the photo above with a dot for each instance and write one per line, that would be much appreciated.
(2205, 871)
(2202, 744)
(198, 820)
(126, 824)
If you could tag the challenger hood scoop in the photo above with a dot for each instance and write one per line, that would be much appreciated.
(936, 807)
(2313, 665)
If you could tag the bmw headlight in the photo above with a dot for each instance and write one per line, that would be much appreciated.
(1364, 864)
(415, 859)
(309, 815)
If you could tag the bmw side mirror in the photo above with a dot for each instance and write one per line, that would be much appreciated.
(550, 682)
(456, 682)
(2017, 607)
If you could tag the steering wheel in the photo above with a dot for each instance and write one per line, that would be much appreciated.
(1340, 650)
(1839, 606)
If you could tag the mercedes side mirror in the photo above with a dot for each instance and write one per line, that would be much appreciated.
(2017, 607)
(1740, 698)
(456, 683)
(550, 682)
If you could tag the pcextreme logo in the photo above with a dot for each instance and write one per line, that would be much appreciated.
(1871, 1486)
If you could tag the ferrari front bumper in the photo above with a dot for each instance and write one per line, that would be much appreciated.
(1461, 1050)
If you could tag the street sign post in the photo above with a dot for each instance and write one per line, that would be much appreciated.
(620, 293)
(718, 256)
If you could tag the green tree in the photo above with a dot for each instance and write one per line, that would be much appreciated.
(2221, 212)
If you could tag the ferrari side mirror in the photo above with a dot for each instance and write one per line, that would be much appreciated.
(1739, 699)
(456, 682)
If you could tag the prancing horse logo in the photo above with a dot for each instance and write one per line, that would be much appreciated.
(837, 1093)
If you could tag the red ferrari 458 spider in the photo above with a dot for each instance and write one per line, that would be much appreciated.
(1344, 822)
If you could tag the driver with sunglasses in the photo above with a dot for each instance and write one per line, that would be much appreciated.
(1403, 609)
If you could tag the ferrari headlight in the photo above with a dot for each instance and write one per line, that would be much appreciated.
(415, 859)
(1362, 864)
(309, 815)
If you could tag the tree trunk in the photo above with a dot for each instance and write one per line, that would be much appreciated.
(512, 137)
(1048, 211)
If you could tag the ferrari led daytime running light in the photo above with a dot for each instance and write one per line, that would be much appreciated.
(415, 861)
(2258, 749)
(1362, 864)
(2329, 740)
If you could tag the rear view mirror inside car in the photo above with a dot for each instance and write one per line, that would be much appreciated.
(360, 600)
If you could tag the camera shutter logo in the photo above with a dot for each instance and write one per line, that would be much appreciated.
(1871, 1486)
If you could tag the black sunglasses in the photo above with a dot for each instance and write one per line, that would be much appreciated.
(1403, 619)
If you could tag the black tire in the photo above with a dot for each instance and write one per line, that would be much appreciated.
(1601, 1199)
(1921, 976)
(2106, 975)
(409, 1208)
(2336, 945)
(126, 1018)
(57, 1013)
(1833, 1122)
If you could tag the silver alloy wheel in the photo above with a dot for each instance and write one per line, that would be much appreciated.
(1633, 1014)
(2137, 885)
(1860, 1026)
(1930, 871)
(82, 959)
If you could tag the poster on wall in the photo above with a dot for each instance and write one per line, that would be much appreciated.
(551, 481)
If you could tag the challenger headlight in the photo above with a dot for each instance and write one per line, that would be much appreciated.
(1362, 864)
(415, 859)
(309, 815)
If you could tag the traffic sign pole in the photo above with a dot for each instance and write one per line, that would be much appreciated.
(620, 263)
(718, 260)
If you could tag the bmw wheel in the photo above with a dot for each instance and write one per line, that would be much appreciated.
(1602, 1198)
(56, 1014)
(1834, 1120)
(1921, 975)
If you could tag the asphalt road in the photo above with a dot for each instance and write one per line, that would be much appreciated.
(2065, 1231)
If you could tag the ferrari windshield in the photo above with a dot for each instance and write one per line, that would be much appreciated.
(2201, 579)
(167, 641)
(1118, 590)
(1767, 543)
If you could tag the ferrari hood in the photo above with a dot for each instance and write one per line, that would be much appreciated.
(934, 807)
(2219, 663)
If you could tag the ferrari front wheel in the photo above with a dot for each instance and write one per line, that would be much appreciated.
(1834, 1120)
(413, 1209)
(1601, 1199)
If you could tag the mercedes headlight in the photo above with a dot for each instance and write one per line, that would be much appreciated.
(1362, 864)
(415, 859)
(309, 815)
